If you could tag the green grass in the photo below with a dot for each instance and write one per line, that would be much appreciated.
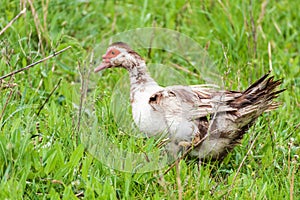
(43, 157)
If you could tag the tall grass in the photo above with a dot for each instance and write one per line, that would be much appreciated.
(42, 156)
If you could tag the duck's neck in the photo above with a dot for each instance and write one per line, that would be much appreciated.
(139, 76)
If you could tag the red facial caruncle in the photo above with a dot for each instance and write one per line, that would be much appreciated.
(106, 63)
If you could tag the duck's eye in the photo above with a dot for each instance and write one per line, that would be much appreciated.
(113, 53)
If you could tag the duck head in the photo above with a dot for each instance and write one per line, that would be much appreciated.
(119, 54)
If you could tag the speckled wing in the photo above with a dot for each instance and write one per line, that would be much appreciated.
(190, 102)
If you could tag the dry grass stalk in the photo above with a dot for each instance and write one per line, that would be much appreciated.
(12, 21)
(51, 93)
(33, 64)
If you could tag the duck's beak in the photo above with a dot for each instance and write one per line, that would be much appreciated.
(104, 65)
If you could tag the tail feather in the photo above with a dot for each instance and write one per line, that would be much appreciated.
(258, 82)
(257, 99)
(259, 95)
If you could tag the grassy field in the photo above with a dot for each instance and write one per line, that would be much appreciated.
(42, 155)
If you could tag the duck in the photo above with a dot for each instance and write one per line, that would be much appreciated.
(200, 119)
